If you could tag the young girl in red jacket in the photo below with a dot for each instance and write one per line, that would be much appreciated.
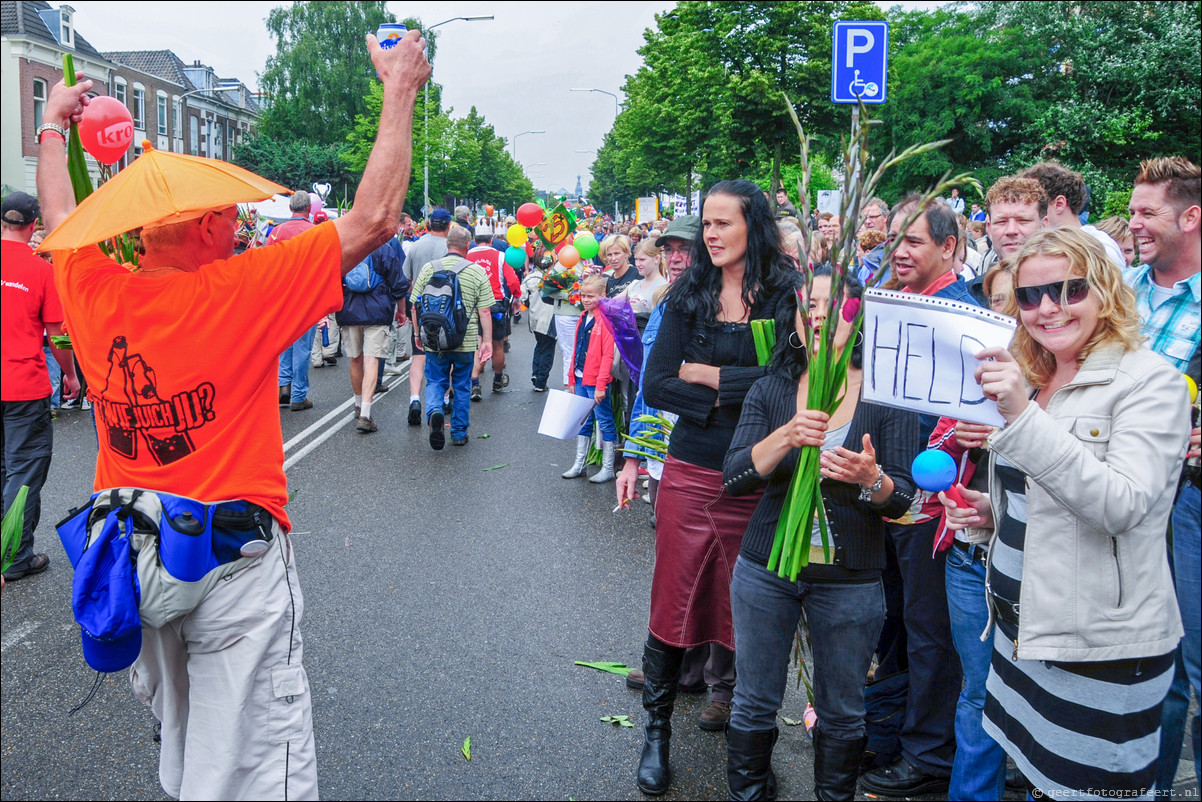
(590, 376)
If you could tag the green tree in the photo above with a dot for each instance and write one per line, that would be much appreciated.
(319, 78)
(297, 164)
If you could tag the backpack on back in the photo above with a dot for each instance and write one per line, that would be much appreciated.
(362, 278)
(441, 316)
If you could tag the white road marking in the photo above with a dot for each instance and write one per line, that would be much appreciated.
(18, 634)
(334, 420)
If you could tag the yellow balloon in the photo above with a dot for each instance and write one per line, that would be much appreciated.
(1193, 389)
(515, 235)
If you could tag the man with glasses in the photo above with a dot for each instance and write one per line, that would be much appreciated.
(875, 218)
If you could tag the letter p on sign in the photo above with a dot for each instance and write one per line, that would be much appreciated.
(859, 40)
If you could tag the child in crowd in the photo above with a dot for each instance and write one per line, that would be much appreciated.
(653, 274)
(590, 376)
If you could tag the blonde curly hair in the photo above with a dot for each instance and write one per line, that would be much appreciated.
(1118, 316)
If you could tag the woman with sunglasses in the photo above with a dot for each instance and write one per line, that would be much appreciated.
(1081, 483)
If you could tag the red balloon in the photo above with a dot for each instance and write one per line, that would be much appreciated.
(530, 214)
(106, 129)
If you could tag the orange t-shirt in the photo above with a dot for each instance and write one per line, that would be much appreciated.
(182, 367)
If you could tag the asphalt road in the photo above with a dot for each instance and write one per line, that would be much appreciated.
(447, 595)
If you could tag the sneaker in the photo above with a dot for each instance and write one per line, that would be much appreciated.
(365, 425)
(477, 393)
(285, 394)
(382, 388)
(37, 565)
(715, 716)
(446, 407)
(331, 360)
(300, 406)
(459, 441)
(540, 389)
(505, 347)
(438, 438)
(85, 405)
(415, 413)
(358, 411)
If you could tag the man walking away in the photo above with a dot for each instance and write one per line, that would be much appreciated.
(30, 307)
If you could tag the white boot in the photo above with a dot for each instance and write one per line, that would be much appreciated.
(577, 469)
(606, 474)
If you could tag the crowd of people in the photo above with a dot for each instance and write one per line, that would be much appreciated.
(1036, 616)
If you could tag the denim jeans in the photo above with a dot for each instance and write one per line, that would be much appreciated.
(294, 366)
(603, 413)
(55, 372)
(979, 769)
(544, 357)
(845, 620)
(1187, 567)
(452, 368)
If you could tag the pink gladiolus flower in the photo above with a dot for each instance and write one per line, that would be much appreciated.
(850, 308)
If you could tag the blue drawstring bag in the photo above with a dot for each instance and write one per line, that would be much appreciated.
(105, 597)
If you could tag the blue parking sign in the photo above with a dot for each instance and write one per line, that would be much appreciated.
(860, 62)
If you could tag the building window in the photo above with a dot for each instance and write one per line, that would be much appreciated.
(162, 114)
(119, 90)
(194, 130)
(176, 112)
(67, 29)
(139, 109)
(39, 102)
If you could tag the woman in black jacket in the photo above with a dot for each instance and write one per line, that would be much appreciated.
(866, 476)
(703, 364)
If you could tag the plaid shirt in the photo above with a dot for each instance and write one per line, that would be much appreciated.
(1171, 328)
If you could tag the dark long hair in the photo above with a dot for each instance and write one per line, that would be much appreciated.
(792, 362)
(767, 270)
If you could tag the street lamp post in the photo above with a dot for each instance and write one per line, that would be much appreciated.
(426, 111)
(602, 91)
(515, 141)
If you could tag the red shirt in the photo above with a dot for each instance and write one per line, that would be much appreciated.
(493, 263)
(943, 281)
(182, 367)
(30, 301)
(288, 229)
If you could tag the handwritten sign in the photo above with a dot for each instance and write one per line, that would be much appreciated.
(919, 354)
(646, 209)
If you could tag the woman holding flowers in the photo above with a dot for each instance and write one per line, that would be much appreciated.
(702, 366)
(1081, 483)
(865, 477)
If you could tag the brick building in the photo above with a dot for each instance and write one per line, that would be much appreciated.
(176, 106)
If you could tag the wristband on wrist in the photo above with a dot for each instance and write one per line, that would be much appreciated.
(51, 128)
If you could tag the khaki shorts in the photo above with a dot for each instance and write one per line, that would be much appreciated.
(371, 341)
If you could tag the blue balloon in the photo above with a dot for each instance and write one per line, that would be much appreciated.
(934, 470)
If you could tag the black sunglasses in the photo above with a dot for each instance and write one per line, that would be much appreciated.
(1074, 292)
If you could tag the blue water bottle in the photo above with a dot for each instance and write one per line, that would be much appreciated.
(325, 336)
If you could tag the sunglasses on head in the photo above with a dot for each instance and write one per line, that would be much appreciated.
(1074, 291)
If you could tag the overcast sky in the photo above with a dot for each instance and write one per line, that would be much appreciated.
(516, 70)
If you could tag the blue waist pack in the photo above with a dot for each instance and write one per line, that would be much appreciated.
(102, 540)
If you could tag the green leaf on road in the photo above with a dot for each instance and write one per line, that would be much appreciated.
(467, 748)
(792, 722)
(613, 668)
(618, 721)
(483, 436)
(496, 467)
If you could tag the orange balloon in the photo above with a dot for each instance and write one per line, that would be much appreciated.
(568, 256)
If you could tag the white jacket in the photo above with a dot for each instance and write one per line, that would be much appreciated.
(540, 316)
(1102, 464)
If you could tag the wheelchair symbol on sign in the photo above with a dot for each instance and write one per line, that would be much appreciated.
(860, 88)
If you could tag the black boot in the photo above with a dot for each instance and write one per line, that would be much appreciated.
(661, 670)
(836, 765)
(749, 763)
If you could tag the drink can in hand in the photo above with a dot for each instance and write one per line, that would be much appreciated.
(390, 33)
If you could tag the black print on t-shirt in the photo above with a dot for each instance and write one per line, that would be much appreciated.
(131, 409)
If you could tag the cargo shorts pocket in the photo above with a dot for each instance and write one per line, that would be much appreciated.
(291, 716)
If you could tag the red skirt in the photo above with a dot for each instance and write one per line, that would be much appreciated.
(698, 534)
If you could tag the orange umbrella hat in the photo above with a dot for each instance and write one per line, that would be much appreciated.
(156, 188)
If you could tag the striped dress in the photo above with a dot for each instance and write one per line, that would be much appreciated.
(1083, 730)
